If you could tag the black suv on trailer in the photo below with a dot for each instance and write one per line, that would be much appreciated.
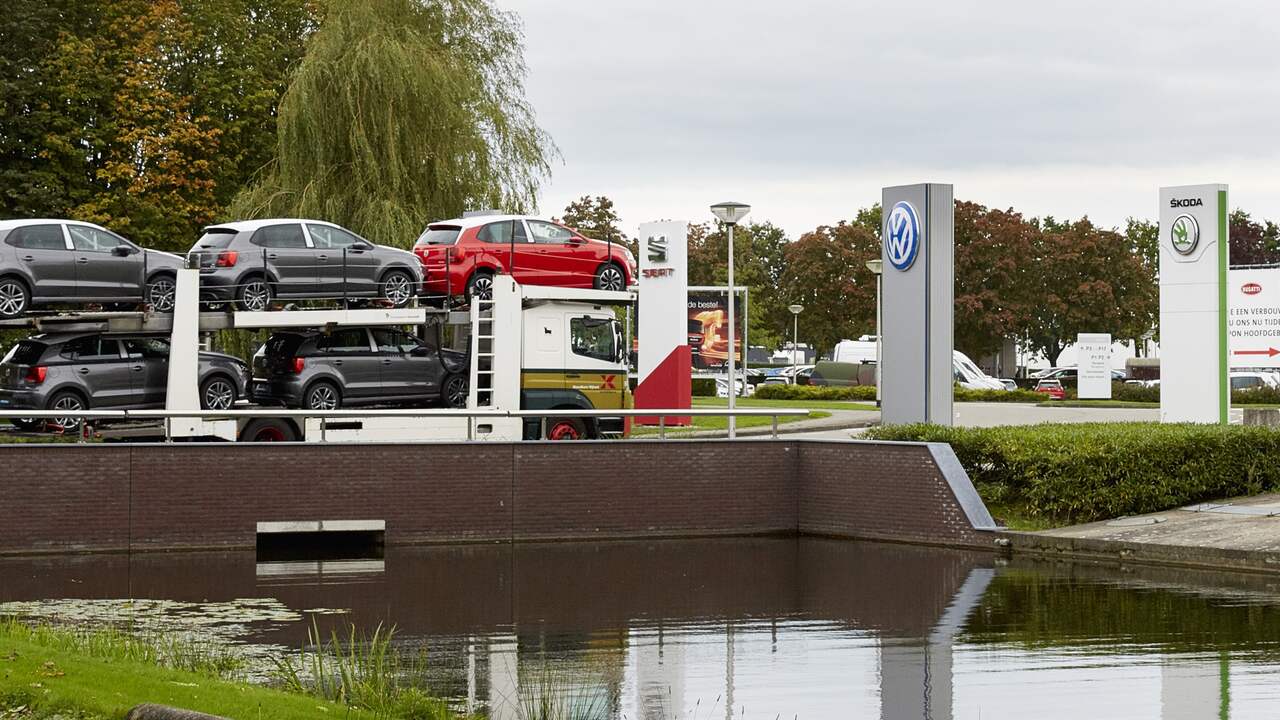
(107, 371)
(320, 370)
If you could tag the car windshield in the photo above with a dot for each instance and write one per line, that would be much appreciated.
(27, 352)
(439, 235)
(216, 238)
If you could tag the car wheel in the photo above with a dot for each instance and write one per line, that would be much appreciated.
(269, 430)
(456, 391)
(160, 293)
(397, 288)
(217, 393)
(322, 396)
(480, 286)
(254, 294)
(566, 429)
(14, 298)
(610, 277)
(27, 424)
(66, 401)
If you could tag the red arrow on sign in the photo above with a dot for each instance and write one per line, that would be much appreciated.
(1269, 352)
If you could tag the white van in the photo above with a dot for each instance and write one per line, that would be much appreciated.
(967, 373)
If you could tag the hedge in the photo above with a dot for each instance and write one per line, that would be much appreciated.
(775, 391)
(703, 387)
(1130, 392)
(1084, 472)
(961, 394)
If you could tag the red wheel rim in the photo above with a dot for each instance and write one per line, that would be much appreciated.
(269, 434)
(563, 431)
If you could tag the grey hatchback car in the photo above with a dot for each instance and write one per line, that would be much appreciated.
(107, 371)
(250, 262)
(46, 262)
(358, 366)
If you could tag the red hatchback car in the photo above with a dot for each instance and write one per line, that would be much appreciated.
(460, 257)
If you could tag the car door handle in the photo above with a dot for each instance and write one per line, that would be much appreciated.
(28, 257)
(387, 361)
(84, 371)
(82, 261)
(337, 362)
(137, 368)
(272, 256)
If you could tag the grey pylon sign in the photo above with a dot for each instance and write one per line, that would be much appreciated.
(917, 249)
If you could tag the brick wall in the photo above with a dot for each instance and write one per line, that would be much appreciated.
(188, 496)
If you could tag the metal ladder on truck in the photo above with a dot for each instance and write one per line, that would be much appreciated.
(482, 354)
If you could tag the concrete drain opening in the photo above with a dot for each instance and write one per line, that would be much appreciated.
(320, 540)
(1136, 521)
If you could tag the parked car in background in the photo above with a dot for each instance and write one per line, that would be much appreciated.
(254, 261)
(1071, 374)
(49, 262)
(722, 388)
(1253, 380)
(107, 371)
(460, 257)
(1009, 383)
(1052, 388)
(321, 370)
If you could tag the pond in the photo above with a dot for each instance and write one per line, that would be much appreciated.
(754, 628)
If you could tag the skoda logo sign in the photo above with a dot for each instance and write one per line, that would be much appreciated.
(902, 236)
(1185, 234)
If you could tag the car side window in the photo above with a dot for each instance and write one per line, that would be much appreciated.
(38, 237)
(88, 239)
(327, 237)
(394, 341)
(280, 236)
(91, 348)
(550, 233)
(351, 340)
(150, 348)
(498, 233)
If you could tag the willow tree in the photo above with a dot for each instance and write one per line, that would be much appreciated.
(404, 111)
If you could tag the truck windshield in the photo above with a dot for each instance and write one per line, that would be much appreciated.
(594, 337)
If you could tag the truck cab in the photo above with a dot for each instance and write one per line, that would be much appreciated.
(573, 357)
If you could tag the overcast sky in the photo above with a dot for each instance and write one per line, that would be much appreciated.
(805, 109)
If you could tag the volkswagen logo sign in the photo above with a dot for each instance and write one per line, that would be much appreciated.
(1184, 233)
(902, 236)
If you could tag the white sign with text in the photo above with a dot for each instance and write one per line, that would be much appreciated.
(1253, 320)
(1093, 363)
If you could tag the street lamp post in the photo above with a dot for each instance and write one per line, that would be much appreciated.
(795, 338)
(731, 213)
(877, 266)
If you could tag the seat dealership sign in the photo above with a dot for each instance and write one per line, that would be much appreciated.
(664, 362)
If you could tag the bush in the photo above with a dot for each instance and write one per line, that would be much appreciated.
(1021, 396)
(1085, 472)
(1129, 392)
(703, 387)
(816, 392)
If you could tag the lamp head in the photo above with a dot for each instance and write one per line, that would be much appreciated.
(730, 213)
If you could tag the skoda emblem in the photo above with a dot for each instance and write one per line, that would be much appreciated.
(902, 236)
(1185, 234)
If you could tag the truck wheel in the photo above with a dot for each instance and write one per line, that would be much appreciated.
(566, 429)
(455, 391)
(269, 430)
(480, 285)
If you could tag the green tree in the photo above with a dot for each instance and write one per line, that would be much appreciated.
(1253, 242)
(1089, 280)
(758, 250)
(826, 273)
(404, 111)
(993, 277)
(596, 218)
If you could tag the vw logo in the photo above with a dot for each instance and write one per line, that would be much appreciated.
(1185, 234)
(902, 236)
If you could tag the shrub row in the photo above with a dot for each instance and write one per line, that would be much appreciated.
(961, 394)
(703, 387)
(1085, 472)
(1129, 392)
(816, 392)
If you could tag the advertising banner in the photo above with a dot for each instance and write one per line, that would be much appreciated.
(1253, 319)
(1194, 257)
(708, 329)
(663, 361)
(917, 253)
(1093, 366)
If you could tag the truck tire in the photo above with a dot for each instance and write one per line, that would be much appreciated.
(566, 429)
(269, 430)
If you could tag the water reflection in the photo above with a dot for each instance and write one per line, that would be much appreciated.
(759, 628)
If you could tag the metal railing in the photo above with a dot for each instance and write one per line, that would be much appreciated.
(472, 416)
